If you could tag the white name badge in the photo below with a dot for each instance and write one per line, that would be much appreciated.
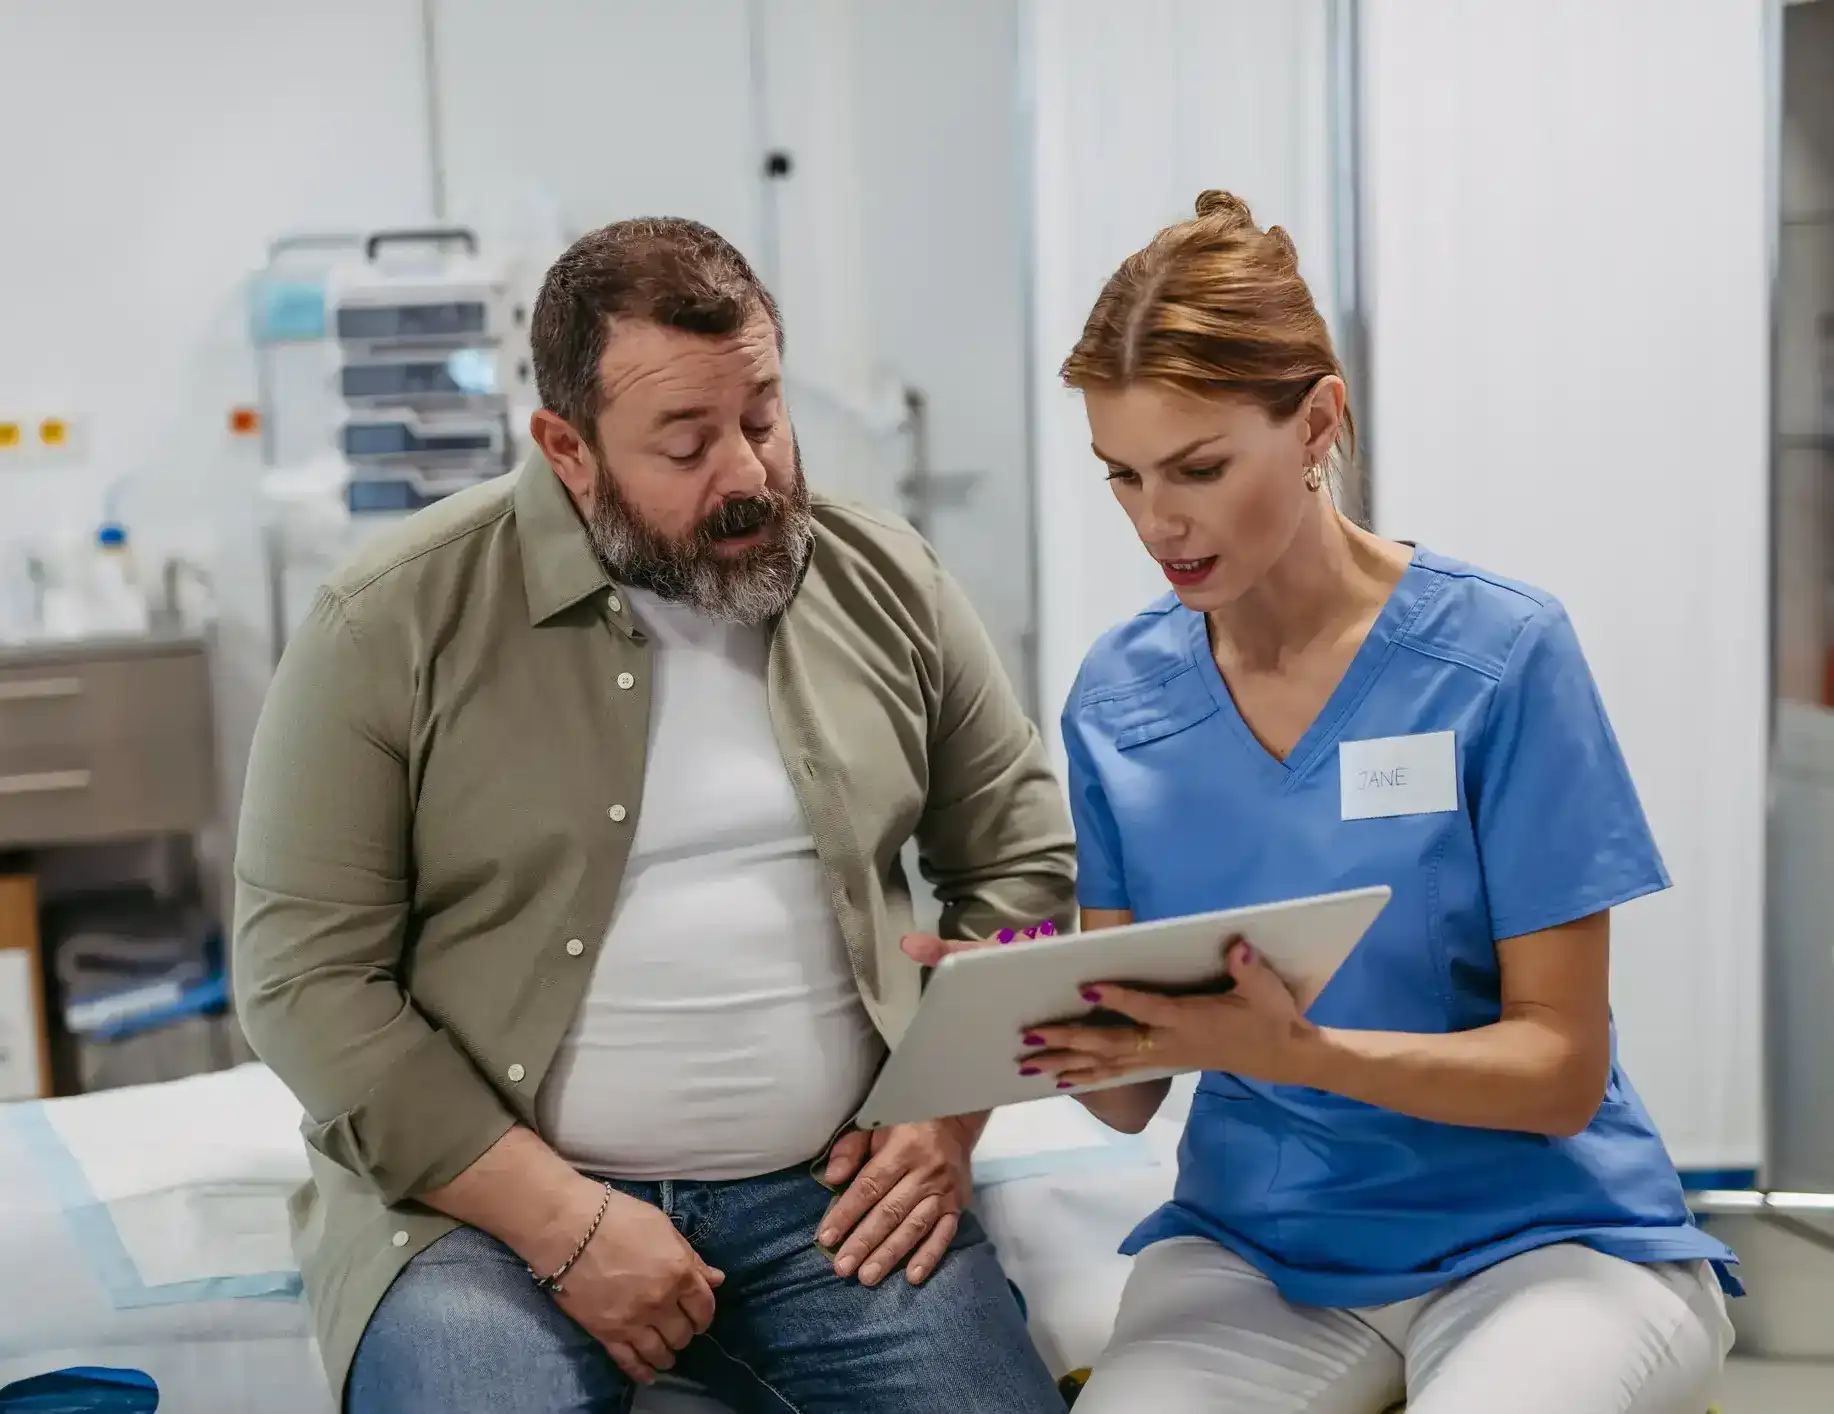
(1398, 775)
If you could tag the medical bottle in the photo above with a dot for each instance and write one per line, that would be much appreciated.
(117, 602)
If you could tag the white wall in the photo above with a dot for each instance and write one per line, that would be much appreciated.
(895, 244)
(151, 151)
(1135, 109)
(1568, 236)
(600, 111)
(169, 153)
(163, 146)
(595, 112)
(943, 222)
(816, 95)
(896, 253)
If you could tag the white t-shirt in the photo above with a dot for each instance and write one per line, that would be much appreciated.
(722, 1035)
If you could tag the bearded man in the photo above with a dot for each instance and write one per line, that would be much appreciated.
(569, 901)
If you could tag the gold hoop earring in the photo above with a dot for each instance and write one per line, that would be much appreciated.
(1314, 476)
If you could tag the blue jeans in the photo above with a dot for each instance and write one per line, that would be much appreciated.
(464, 1328)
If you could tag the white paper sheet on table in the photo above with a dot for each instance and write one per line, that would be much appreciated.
(1050, 1136)
(1057, 1135)
(178, 1191)
(191, 1176)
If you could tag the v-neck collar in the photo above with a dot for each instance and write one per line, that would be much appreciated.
(1397, 612)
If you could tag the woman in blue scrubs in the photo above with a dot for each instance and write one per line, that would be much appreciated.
(1436, 1180)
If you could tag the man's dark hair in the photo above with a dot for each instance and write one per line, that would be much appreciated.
(674, 272)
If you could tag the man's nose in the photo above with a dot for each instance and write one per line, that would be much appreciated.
(740, 471)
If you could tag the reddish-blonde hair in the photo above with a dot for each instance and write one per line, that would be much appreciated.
(1212, 304)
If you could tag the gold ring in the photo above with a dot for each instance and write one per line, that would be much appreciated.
(1145, 1042)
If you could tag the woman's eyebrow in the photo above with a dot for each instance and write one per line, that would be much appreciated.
(1170, 457)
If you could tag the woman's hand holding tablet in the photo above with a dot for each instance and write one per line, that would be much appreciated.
(1088, 994)
(1248, 1024)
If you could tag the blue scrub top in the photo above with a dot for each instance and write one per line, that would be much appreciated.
(1179, 809)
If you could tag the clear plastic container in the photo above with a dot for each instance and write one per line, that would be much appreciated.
(117, 603)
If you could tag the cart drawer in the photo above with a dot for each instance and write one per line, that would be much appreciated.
(104, 702)
(114, 790)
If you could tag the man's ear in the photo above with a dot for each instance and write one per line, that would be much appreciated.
(566, 452)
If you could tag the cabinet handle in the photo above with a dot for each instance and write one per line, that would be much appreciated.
(44, 782)
(38, 689)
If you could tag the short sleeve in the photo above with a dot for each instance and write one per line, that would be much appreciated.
(1561, 834)
(1100, 882)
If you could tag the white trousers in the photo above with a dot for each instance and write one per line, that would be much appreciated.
(1561, 1329)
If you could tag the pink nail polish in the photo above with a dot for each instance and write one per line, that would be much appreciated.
(1248, 953)
(1091, 995)
(1006, 935)
(1031, 932)
(1028, 1070)
(1063, 1085)
(1031, 1038)
(1047, 929)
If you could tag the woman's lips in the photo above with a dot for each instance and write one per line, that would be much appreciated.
(1185, 573)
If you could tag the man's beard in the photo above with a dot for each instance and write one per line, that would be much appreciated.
(747, 588)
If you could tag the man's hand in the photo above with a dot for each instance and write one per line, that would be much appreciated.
(926, 949)
(910, 1184)
(639, 1289)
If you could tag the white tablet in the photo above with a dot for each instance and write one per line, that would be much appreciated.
(960, 1052)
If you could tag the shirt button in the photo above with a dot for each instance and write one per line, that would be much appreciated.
(614, 604)
(575, 947)
(516, 1072)
(617, 812)
(626, 681)
(400, 1239)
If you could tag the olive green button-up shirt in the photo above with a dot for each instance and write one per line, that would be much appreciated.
(441, 796)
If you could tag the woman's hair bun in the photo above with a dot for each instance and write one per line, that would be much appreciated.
(1212, 304)
(1286, 254)
(1227, 205)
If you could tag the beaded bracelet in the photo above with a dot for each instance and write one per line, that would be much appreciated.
(552, 1284)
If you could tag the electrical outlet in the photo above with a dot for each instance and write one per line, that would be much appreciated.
(42, 438)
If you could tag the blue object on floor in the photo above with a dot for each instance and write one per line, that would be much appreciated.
(82, 1390)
